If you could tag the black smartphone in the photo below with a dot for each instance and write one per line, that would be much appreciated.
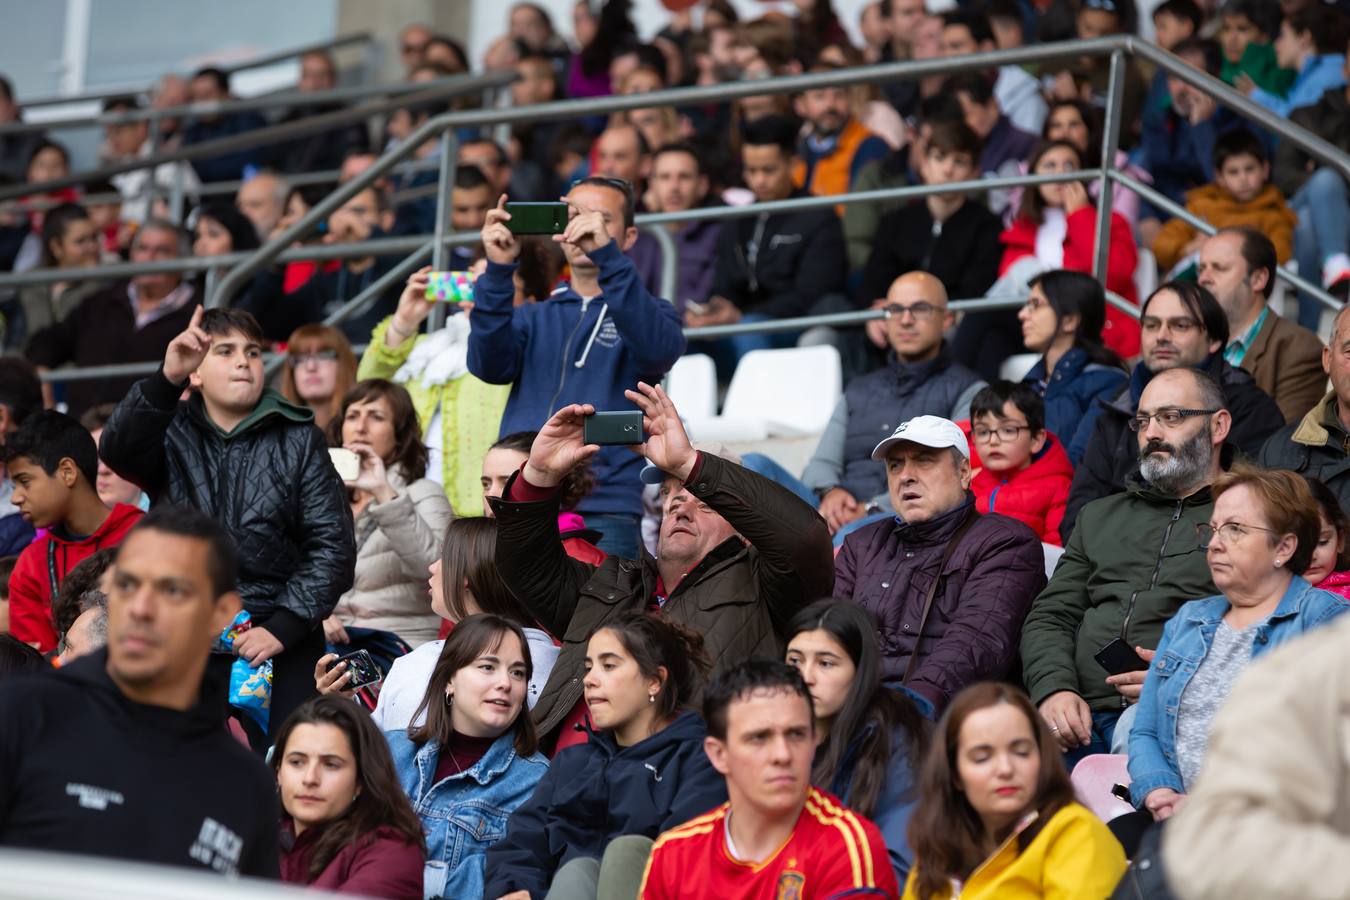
(363, 669)
(537, 218)
(1118, 657)
(607, 428)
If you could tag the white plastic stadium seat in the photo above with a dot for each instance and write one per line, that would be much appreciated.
(1093, 778)
(1145, 275)
(692, 386)
(1016, 367)
(776, 393)
(1052, 555)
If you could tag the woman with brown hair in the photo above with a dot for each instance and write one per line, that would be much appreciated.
(473, 759)
(320, 368)
(400, 516)
(996, 816)
(346, 824)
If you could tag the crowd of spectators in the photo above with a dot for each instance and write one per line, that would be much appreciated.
(403, 569)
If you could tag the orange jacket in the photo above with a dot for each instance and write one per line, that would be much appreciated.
(833, 174)
(1266, 212)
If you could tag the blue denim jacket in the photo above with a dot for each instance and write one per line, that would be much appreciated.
(1186, 639)
(464, 813)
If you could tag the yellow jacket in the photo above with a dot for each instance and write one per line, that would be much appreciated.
(1075, 857)
(1266, 212)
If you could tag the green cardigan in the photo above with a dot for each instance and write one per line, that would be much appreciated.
(471, 416)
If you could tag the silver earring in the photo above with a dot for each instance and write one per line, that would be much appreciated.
(651, 698)
(449, 700)
(1278, 563)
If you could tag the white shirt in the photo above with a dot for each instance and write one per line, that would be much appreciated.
(406, 684)
(1050, 238)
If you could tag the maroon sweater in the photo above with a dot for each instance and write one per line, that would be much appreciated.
(383, 865)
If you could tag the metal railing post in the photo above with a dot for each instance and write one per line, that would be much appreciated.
(1115, 104)
(439, 252)
(670, 261)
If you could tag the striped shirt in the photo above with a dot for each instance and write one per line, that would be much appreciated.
(831, 854)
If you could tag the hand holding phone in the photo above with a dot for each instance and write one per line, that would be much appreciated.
(608, 429)
(1118, 657)
(537, 218)
(347, 463)
(362, 667)
(450, 287)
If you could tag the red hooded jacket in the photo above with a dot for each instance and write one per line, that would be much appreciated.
(1035, 495)
(44, 564)
(1121, 333)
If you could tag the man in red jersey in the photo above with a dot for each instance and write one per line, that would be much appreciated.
(777, 837)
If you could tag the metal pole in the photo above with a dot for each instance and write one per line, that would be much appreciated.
(439, 254)
(670, 261)
(176, 194)
(150, 181)
(1115, 104)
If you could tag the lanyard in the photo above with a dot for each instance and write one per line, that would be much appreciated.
(51, 567)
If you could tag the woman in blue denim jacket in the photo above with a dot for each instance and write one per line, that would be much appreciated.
(870, 736)
(475, 757)
(1259, 540)
(1063, 321)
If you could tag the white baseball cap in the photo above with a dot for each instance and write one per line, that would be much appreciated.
(928, 431)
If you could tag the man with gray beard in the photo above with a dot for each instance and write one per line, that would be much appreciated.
(1131, 563)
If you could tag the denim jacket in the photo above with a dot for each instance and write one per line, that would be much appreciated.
(1186, 640)
(464, 813)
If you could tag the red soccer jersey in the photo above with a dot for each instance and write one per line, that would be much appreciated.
(831, 854)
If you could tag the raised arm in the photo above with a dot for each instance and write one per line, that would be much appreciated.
(496, 351)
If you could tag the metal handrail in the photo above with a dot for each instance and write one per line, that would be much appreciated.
(564, 109)
(362, 37)
(272, 134)
(288, 97)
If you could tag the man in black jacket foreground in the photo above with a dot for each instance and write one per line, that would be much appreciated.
(122, 753)
(258, 466)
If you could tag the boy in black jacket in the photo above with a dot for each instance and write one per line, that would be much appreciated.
(257, 465)
(122, 753)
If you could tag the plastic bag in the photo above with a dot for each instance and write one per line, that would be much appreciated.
(250, 687)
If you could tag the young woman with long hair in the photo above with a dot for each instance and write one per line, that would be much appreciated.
(870, 736)
(592, 820)
(473, 757)
(347, 825)
(1063, 320)
(996, 816)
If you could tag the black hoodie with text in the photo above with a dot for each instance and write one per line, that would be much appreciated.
(85, 770)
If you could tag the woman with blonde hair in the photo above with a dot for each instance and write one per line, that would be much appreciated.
(320, 368)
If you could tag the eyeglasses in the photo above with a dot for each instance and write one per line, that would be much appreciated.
(1179, 325)
(1035, 302)
(318, 356)
(1228, 532)
(414, 48)
(922, 312)
(1005, 432)
(1168, 418)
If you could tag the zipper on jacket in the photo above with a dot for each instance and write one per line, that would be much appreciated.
(567, 347)
(1157, 569)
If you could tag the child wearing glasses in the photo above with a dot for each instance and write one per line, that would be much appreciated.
(1025, 472)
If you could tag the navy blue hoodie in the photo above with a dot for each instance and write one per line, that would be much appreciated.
(571, 350)
(597, 791)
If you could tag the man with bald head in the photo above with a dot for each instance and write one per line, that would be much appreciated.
(412, 44)
(1129, 566)
(921, 378)
(262, 200)
(1237, 265)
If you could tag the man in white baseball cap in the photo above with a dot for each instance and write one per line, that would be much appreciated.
(948, 587)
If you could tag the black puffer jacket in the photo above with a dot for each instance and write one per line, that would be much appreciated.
(269, 483)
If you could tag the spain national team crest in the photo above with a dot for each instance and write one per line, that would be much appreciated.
(790, 886)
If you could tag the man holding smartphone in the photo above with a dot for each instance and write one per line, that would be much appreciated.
(1129, 565)
(598, 334)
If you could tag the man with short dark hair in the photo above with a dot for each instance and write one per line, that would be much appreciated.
(905, 18)
(1018, 94)
(772, 266)
(678, 183)
(1130, 567)
(131, 140)
(325, 150)
(621, 152)
(777, 836)
(1237, 265)
(20, 397)
(212, 85)
(15, 149)
(363, 217)
(130, 322)
(595, 337)
(1182, 326)
(124, 754)
(836, 146)
(471, 196)
(1005, 145)
(246, 456)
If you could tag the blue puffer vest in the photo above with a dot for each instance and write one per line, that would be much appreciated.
(879, 401)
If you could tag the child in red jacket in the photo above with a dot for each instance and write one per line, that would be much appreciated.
(1025, 472)
(53, 463)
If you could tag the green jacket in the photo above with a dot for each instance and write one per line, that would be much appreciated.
(862, 219)
(471, 416)
(1131, 562)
